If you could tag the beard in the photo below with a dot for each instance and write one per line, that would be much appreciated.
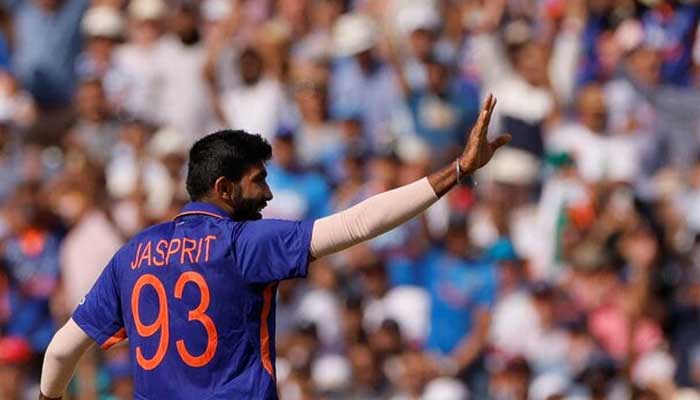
(247, 208)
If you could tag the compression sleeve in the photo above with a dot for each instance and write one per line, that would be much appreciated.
(65, 350)
(372, 217)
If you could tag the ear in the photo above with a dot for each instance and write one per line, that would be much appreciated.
(223, 188)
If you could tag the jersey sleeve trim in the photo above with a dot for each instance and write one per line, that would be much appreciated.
(119, 336)
(103, 339)
(265, 342)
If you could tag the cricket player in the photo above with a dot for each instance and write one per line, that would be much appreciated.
(195, 296)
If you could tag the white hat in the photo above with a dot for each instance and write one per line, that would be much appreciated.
(548, 384)
(445, 389)
(629, 35)
(414, 17)
(103, 21)
(353, 34)
(146, 9)
(167, 141)
(654, 367)
(514, 166)
(331, 373)
(216, 10)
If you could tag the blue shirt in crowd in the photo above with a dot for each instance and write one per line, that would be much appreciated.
(46, 47)
(299, 194)
(458, 289)
(444, 121)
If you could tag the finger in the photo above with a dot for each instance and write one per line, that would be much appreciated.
(476, 130)
(500, 141)
(488, 119)
(487, 103)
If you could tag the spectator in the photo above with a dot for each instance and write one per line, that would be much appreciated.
(299, 194)
(361, 84)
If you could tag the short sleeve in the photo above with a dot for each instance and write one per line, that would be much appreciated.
(271, 250)
(99, 313)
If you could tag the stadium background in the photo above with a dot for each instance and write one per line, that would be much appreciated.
(572, 270)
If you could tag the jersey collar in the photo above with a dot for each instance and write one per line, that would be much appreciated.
(202, 208)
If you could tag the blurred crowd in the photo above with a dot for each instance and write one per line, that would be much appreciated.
(570, 270)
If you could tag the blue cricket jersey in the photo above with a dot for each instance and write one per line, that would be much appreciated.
(195, 297)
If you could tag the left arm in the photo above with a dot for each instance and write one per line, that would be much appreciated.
(65, 350)
(473, 344)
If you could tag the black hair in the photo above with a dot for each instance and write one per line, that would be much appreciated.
(226, 153)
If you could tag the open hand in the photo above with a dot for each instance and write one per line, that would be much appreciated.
(479, 150)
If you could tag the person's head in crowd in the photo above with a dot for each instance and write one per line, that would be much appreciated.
(145, 21)
(353, 330)
(77, 195)
(438, 73)
(184, 22)
(510, 379)
(311, 99)
(366, 372)
(324, 277)
(283, 150)
(91, 102)
(592, 108)
(15, 355)
(419, 23)
(251, 66)
(373, 280)
(456, 239)
(386, 340)
(544, 300)
(29, 210)
(641, 60)
(354, 164)
(104, 28)
(515, 173)
(354, 35)
(384, 168)
(331, 375)
(413, 372)
(136, 134)
(293, 12)
(528, 57)
(511, 274)
(215, 15)
(301, 347)
(324, 13)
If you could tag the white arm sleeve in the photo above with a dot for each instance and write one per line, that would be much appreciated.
(563, 65)
(65, 350)
(370, 218)
(491, 59)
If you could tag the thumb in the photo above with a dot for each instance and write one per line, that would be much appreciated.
(500, 141)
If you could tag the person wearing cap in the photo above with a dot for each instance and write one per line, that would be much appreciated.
(103, 28)
(360, 82)
(136, 59)
(212, 330)
(442, 108)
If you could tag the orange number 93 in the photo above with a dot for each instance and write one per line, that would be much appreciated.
(161, 322)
